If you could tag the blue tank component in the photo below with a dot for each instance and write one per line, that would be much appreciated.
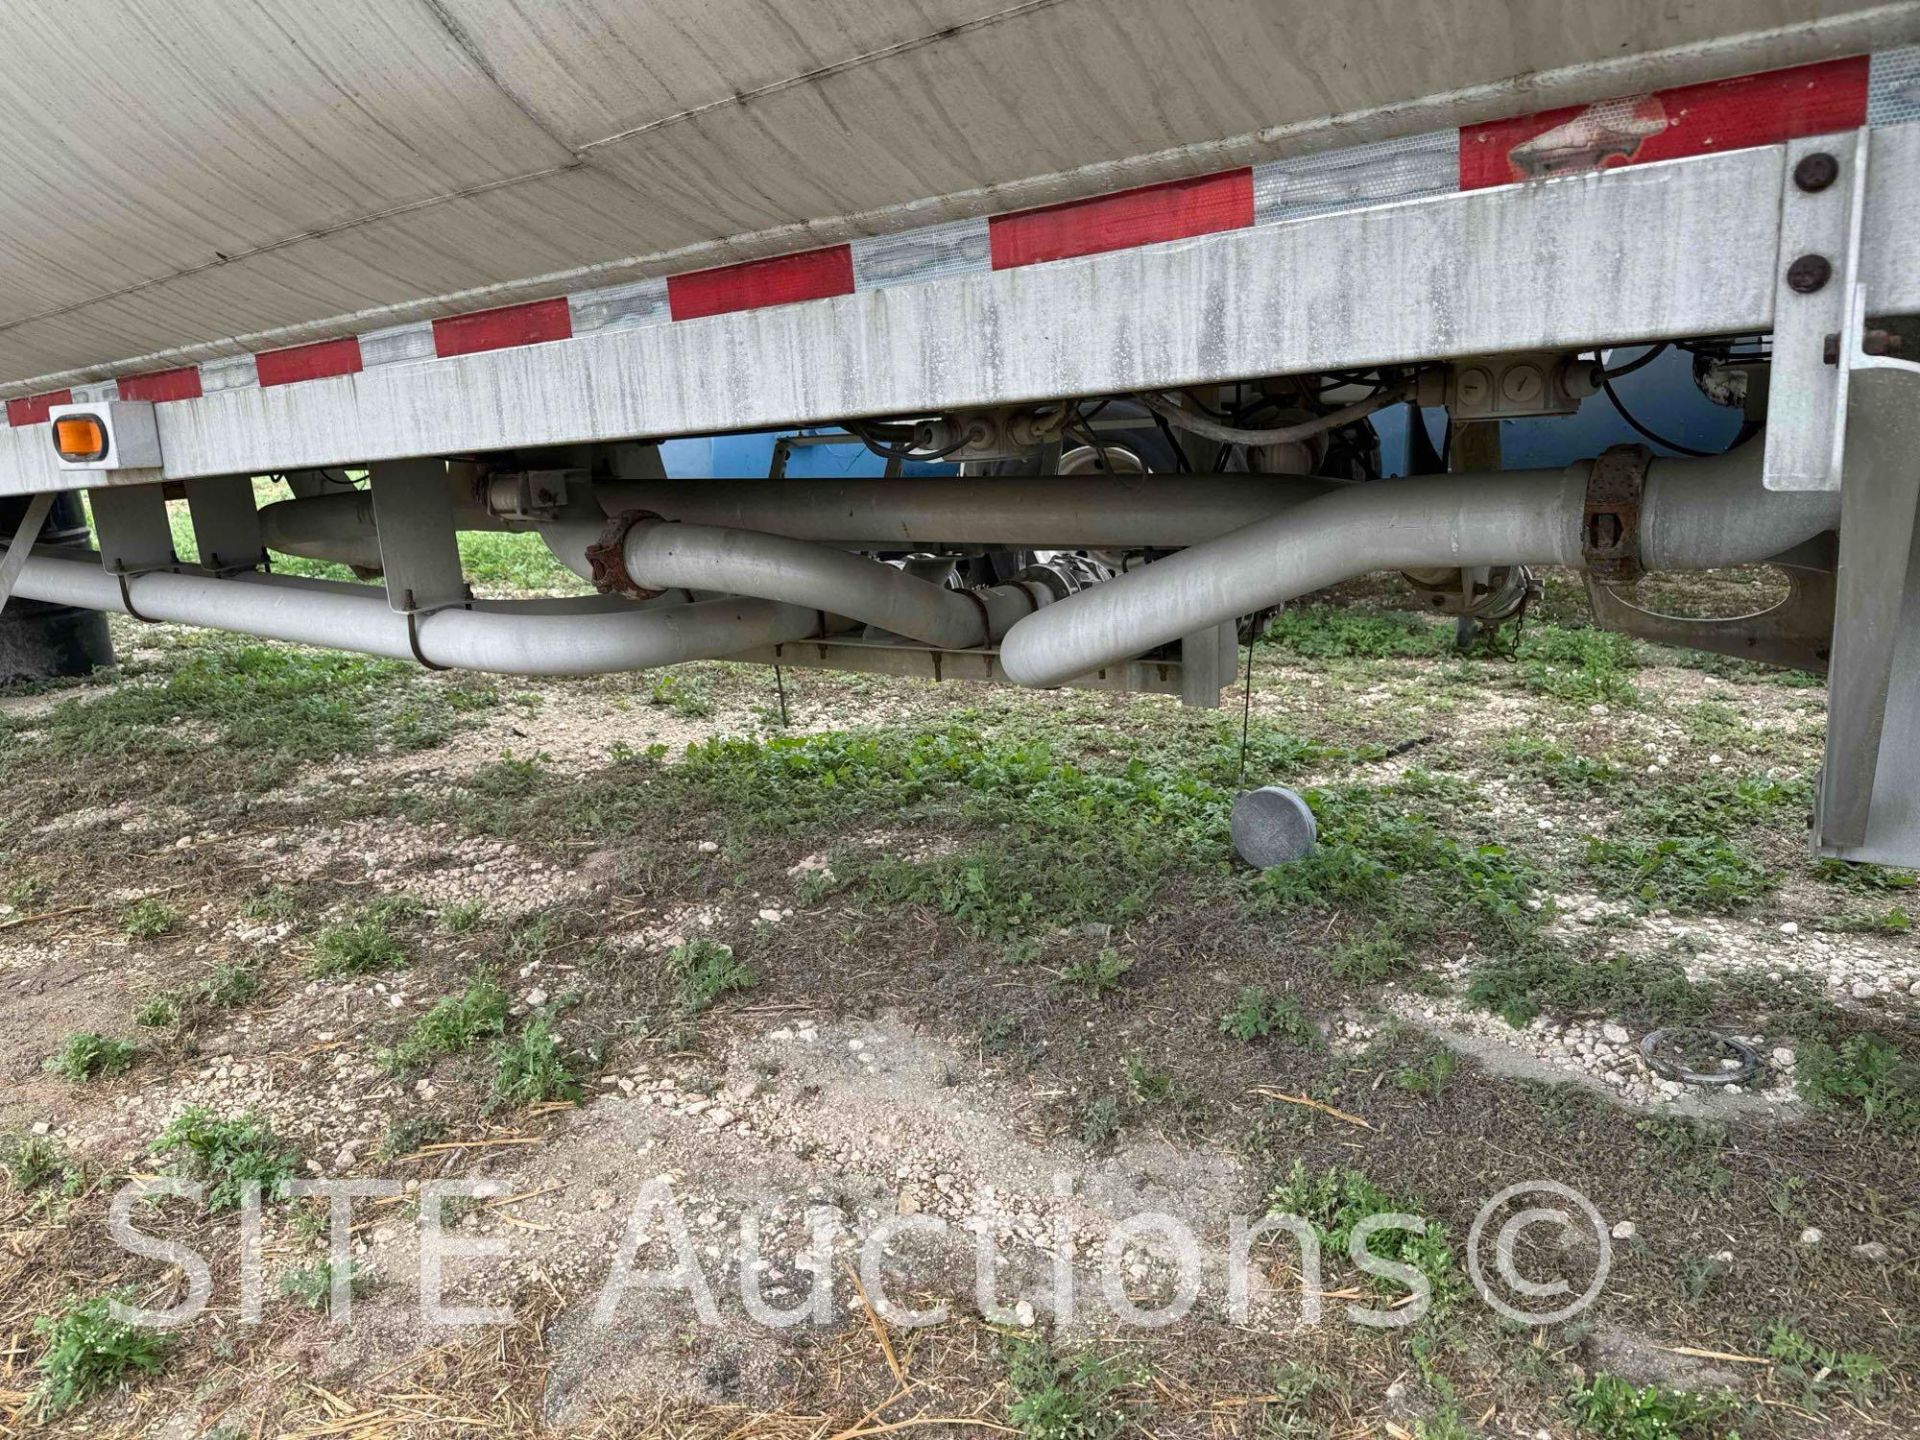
(1662, 396)
(747, 457)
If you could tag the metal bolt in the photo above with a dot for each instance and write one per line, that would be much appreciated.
(1809, 273)
(1816, 172)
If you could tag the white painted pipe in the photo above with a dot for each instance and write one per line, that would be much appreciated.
(527, 637)
(1109, 512)
(662, 555)
(1696, 515)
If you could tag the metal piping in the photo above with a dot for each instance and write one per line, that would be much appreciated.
(663, 555)
(529, 637)
(1117, 512)
(1696, 515)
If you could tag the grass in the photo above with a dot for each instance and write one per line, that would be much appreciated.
(87, 1351)
(1258, 1014)
(364, 946)
(1324, 632)
(149, 919)
(454, 1024)
(1066, 1397)
(230, 985)
(459, 919)
(704, 972)
(531, 1067)
(276, 905)
(230, 1156)
(1334, 1201)
(1430, 1074)
(1867, 1077)
(88, 1055)
(1612, 1409)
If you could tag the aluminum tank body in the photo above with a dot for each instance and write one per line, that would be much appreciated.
(183, 179)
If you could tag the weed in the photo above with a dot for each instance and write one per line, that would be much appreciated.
(1718, 804)
(88, 1351)
(1612, 1409)
(454, 1024)
(1685, 1154)
(1685, 873)
(1430, 1074)
(1866, 1074)
(1258, 1014)
(1820, 1372)
(1866, 879)
(706, 970)
(230, 985)
(88, 1054)
(1544, 978)
(363, 947)
(404, 1137)
(1057, 1397)
(312, 1285)
(1100, 1121)
(1158, 1089)
(1328, 633)
(1581, 666)
(1099, 974)
(1700, 1273)
(230, 1156)
(531, 1068)
(1337, 1200)
(275, 905)
(149, 919)
(684, 694)
(31, 1161)
(1370, 960)
(158, 1013)
(458, 919)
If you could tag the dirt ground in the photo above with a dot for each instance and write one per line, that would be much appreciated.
(964, 957)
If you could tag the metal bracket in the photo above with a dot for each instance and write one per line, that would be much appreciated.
(1610, 532)
(419, 547)
(226, 524)
(131, 523)
(1822, 216)
(1869, 804)
(607, 558)
(15, 560)
(1797, 632)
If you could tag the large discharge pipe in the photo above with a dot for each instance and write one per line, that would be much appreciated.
(1694, 515)
(526, 637)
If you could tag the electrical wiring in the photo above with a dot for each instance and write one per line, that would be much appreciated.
(1657, 438)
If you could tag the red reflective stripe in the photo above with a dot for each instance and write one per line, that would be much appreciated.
(757, 284)
(503, 329)
(162, 386)
(1692, 120)
(309, 362)
(32, 409)
(1145, 216)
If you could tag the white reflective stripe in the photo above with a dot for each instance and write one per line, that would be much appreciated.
(398, 344)
(1893, 87)
(620, 307)
(97, 393)
(1357, 176)
(232, 372)
(912, 257)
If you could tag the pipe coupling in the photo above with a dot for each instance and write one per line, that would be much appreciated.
(1610, 529)
(607, 558)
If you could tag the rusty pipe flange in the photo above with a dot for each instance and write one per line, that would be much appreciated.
(1654, 1051)
(1610, 529)
(607, 558)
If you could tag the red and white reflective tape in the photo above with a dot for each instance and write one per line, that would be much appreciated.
(1753, 110)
